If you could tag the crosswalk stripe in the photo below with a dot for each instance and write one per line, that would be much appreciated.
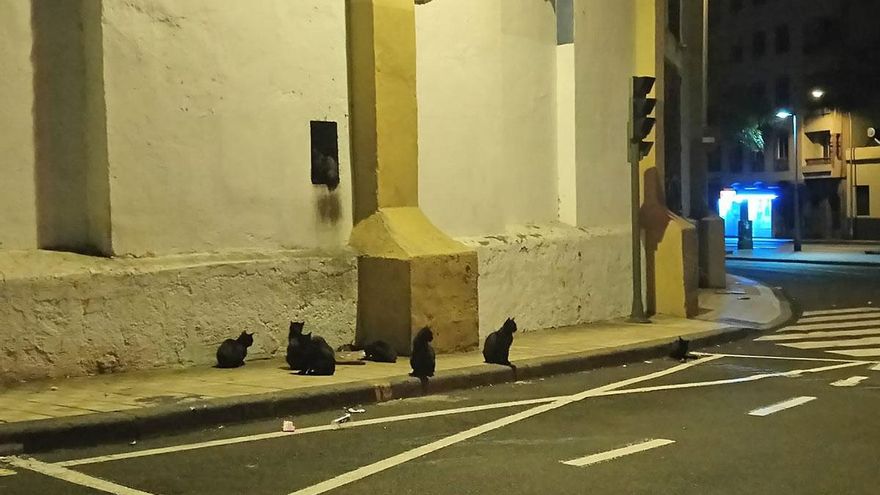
(830, 344)
(826, 326)
(834, 318)
(781, 406)
(843, 311)
(872, 352)
(782, 337)
(849, 382)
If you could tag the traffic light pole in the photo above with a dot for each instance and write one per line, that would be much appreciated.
(637, 314)
(640, 126)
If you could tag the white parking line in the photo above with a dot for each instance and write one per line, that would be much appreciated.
(870, 352)
(826, 326)
(786, 358)
(64, 474)
(823, 312)
(417, 452)
(876, 367)
(781, 406)
(782, 337)
(614, 454)
(302, 431)
(849, 382)
(6, 472)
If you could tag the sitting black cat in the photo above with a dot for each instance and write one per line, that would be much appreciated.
(232, 352)
(423, 360)
(296, 345)
(380, 351)
(319, 358)
(496, 350)
(681, 350)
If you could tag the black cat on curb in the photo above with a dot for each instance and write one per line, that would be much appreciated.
(310, 354)
(232, 352)
(423, 360)
(297, 342)
(380, 351)
(496, 350)
(681, 352)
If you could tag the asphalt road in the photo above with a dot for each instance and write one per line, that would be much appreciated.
(756, 416)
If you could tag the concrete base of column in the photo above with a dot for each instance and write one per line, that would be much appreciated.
(411, 275)
(713, 273)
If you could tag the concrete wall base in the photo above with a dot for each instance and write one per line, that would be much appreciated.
(64, 314)
(713, 273)
(552, 275)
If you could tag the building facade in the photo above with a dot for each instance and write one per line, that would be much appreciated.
(772, 56)
(176, 172)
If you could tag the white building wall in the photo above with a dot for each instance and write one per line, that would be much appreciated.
(208, 109)
(17, 192)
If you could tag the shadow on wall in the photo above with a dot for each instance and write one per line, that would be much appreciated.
(653, 214)
(328, 207)
(64, 35)
(58, 56)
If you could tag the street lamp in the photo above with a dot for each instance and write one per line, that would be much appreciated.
(817, 93)
(783, 114)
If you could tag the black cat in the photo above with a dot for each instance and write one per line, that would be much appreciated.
(319, 358)
(496, 350)
(680, 351)
(380, 351)
(423, 360)
(232, 352)
(297, 342)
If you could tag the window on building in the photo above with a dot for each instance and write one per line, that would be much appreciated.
(736, 54)
(758, 92)
(564, 22)
(759, 2)
(736, 6)
(325, 154)
(715, 158)
(783, 91)
(759, 44)
(863, 201)
(819, 33)
(783, 39)
(782, 148)
(756, 162)
(736, 159)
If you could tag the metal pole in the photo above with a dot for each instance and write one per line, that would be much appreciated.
(797, 179)
(637, 315)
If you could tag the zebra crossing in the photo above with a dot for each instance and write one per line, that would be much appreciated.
(851, 332)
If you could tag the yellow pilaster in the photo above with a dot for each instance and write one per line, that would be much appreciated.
(671, 258)
(410, 273)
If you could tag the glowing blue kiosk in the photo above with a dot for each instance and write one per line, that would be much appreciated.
(760, 207)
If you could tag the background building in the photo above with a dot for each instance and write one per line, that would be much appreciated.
(175, 172)
(805, 56)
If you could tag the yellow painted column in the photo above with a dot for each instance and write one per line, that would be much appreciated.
(671, 243)
(410, 273)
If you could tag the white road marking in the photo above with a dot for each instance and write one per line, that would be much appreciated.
(784, 337)
(786, 358)
(832, 326)
(843, 311)
(831, 344)
(417, 452)
(302, 431)
(872, 352)
(6, 472)
(730, 381)
(77, 478)
(614, 454)
(843, 317)
(781, 406)
(876, 367)
(849, 382)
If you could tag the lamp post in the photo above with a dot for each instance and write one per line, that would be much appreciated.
(784, 114)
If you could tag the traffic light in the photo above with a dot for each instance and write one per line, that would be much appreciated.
(641, 122)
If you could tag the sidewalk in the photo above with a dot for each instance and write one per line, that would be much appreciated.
(845, 254)
(45, 415)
